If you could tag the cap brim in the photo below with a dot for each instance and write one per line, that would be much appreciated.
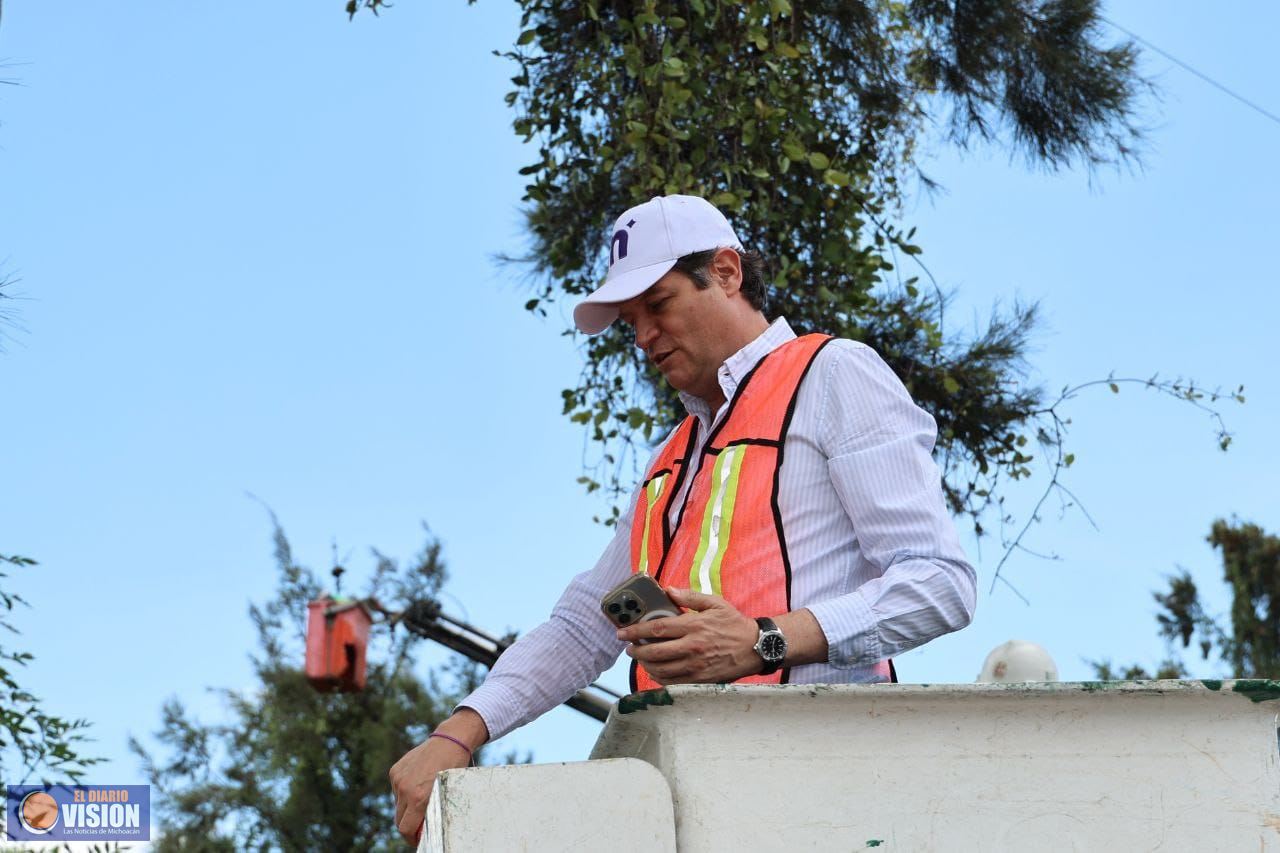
(598, 311)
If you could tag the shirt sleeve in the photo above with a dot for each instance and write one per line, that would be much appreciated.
(546, 666)
(878, 444)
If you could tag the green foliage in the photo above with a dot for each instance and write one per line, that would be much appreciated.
(354, 6)
(1169, 668)
(1181, 616)
(44, 744)
(1251, 570)
(802, 122)
(294, 769)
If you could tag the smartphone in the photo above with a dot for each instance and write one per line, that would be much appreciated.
(637, 599)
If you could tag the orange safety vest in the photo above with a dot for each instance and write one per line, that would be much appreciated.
(728, 537)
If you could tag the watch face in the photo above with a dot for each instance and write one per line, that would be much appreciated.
(772, 647)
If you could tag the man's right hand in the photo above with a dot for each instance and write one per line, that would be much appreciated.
(414, 774)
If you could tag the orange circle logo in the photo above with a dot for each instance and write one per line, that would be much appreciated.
(39, 812)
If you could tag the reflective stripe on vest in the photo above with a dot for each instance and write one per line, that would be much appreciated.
(717, 520)
(652, 492)
(727, 539)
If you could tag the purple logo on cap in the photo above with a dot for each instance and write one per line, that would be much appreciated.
(618, 246)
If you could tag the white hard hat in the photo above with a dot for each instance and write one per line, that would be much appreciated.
(1018, 660)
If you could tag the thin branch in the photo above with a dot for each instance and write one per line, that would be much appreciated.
(1034, 517)
(1080, 506)
(1052, 557)
(1013, 589)
(1185, 391)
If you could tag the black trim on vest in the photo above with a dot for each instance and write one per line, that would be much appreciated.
(711, 439)
(777, 472)
(655, 475)
(685, 459)
(738, 394)
(675, 484)
(667, 532)
(762, 442)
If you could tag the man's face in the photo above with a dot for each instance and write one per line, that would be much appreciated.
(684, 331)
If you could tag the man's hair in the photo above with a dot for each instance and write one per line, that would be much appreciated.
(755, 273)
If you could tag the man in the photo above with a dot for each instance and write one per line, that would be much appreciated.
(816, 570)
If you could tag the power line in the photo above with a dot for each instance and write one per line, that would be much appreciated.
(1205, 77)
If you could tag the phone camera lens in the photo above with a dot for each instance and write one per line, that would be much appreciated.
(631, 604)
(624, 618)
(615, 608)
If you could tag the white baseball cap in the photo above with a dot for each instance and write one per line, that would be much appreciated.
(647, 241)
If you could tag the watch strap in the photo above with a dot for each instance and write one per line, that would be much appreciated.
(767, 625)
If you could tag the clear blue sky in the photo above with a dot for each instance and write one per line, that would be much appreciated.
(256, 244)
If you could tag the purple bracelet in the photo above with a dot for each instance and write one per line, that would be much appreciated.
(455, 740)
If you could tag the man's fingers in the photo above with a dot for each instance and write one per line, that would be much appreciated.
(666, 628)
(401, 802)
(409, 814)
(411, 825)
(660, 652)
(669, 673)
(695, 600)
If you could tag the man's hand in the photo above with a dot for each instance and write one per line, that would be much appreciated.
(414, 774)
(711, 642)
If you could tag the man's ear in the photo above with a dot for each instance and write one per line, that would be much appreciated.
(726, 267)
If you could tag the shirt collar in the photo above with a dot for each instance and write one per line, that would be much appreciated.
(737, 366)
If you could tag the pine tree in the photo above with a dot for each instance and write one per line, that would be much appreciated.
(1250, 648)
(291, 768)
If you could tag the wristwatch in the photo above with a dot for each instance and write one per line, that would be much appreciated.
(771, 645)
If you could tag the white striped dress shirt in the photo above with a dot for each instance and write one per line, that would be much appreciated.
(874, 555)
